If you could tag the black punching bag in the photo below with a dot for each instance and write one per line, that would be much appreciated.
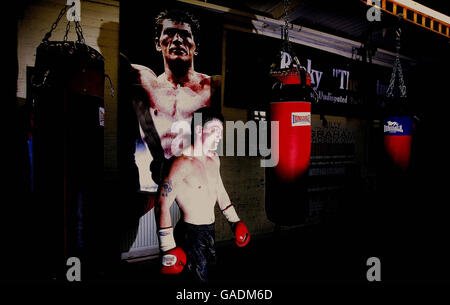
(68, 105)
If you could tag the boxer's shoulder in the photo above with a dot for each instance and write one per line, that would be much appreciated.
(143, 69)
(183, 164)
(214, 157)
(202, 79)
(209, 80)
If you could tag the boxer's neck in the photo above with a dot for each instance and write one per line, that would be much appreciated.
(180, 75)
(200, 152)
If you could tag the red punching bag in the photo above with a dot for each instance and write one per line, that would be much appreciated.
(286, 182)
(294, 138)
(397, 139)
(292, 110)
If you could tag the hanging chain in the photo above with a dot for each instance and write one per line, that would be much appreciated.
(67, 31)
(55, 24)
(78, 29)
(79, 32)
(287, 47)
(397, 68)
(285, 30)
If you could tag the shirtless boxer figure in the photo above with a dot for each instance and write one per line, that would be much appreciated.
(179, 91)
(173, 96)
(195, 183)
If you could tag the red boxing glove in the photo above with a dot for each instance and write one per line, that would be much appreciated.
(241, 234)
(173, 261)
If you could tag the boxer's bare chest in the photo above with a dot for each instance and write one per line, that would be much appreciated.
(202, 180)
(177, 103)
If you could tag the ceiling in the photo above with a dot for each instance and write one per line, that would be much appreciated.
(349, 21)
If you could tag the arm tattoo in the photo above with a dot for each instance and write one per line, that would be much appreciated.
(166, 188)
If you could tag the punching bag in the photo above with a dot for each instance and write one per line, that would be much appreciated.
(398, 123)
(294, 138)
(68, 101)
(397, 139)
(286, 182)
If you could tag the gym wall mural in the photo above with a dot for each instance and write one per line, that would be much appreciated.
(164, 84)
(141, 59)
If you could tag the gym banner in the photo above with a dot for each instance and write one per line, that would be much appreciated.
(338, 81)
(337, 153)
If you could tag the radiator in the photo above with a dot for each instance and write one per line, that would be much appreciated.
(143, 241)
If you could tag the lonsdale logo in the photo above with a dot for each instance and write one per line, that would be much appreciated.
(301, 118)
(393, 127)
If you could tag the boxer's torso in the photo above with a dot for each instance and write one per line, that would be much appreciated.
(170, 103)
(197, 191)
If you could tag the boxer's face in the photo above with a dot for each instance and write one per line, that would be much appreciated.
(212, 134)
(176, 41)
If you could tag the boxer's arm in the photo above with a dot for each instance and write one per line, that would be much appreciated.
(173, 258)
(241, 233)
(223, 200)
(167, 192)
(166, 196)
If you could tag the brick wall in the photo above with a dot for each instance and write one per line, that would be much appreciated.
(244, 180)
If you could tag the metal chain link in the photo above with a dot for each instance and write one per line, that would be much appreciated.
(55, 24)
(287, 47)
(285, 32)
(397, 68)
(67, 31)
(79, 32)
(78, 28)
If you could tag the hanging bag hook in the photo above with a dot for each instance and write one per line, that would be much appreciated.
(55, 24)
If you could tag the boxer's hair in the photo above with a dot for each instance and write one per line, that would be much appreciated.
(208, 114)
(177, 15)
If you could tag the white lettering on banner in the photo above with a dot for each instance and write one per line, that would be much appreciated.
(345, 75)
(286, 60)
(334, 133)
(316, 75)
(332, 98)
(381, 88)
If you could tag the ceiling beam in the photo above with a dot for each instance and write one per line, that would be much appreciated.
(298, 34)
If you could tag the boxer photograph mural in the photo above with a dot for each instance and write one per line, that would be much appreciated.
(164, 98)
